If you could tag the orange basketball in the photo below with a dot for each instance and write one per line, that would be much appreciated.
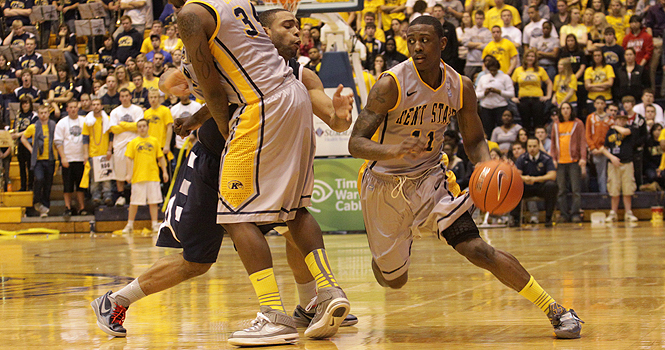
(496, 187)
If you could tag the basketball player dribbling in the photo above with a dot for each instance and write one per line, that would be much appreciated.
(404, 191)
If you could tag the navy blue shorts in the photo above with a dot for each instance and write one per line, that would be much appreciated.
(191, 215)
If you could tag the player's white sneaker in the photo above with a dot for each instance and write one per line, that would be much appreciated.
(128, 229)
(270, 327)
(332, 306)
(120, 201)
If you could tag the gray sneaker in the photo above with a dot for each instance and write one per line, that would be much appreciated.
(270, 327)
(567, 325)
(302, 317)
(332, 306)
(110, 315)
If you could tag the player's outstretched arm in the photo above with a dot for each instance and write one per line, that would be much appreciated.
(382, 98)
(196, 26)
(335, 112)
(470, 125)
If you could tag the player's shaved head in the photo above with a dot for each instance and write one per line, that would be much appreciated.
(268, 17)
(430, 21)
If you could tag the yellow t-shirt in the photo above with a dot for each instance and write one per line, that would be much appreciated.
(493, 17)
(565, 134)
(620, 24)
(480, 5)
(387, 18)
(492, 145)
(144, 152)
(369, 82)
(30, 132)
(151, 85)
(158, 118)
(380, 35)
(130, 86)
(503, 51)
(530, 81)
(561, 89)
(147, 44)
(99, 143)
(371, 6)
(599, 75)
(311, 21)
(401, 46)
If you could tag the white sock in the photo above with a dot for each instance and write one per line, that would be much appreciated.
(130, 294)
(130, 223)
(154, 223)
(306, 292)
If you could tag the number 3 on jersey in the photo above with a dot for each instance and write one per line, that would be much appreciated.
(430, 138)
(240, 14)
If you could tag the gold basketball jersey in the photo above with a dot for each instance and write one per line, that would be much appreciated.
(420, 111)
(248, 61)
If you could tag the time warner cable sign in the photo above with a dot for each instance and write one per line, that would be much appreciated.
(335, 199)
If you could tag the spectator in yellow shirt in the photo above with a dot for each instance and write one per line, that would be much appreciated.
(142, 155)
(157, 29)
(96, 143)
(599, 78)
(493, 15)
(531, 99)
(160, 120)
(370, 17)
(503, 50)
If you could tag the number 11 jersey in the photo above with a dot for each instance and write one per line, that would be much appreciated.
(420, 111)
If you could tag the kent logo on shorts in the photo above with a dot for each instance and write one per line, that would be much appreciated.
(235, 185)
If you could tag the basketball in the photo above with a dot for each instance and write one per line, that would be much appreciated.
(496, 187)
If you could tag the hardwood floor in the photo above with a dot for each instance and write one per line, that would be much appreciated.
(614, 277)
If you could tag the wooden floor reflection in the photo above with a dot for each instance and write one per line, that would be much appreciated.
(614, 277)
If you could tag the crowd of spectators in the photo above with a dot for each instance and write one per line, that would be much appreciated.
(554, 82)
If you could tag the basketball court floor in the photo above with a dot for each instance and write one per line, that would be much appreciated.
(614, 277)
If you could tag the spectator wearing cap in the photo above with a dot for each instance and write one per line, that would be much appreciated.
(619, 149)
(639, 40)
(539, 176)
(156, 48)
(156, 29)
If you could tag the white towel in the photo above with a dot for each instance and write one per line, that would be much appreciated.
(90, 120)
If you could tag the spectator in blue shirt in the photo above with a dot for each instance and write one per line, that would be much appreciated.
(539, 176)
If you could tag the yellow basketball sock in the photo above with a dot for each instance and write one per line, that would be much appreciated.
(265, 286)
(535, 293)
(317, 262)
